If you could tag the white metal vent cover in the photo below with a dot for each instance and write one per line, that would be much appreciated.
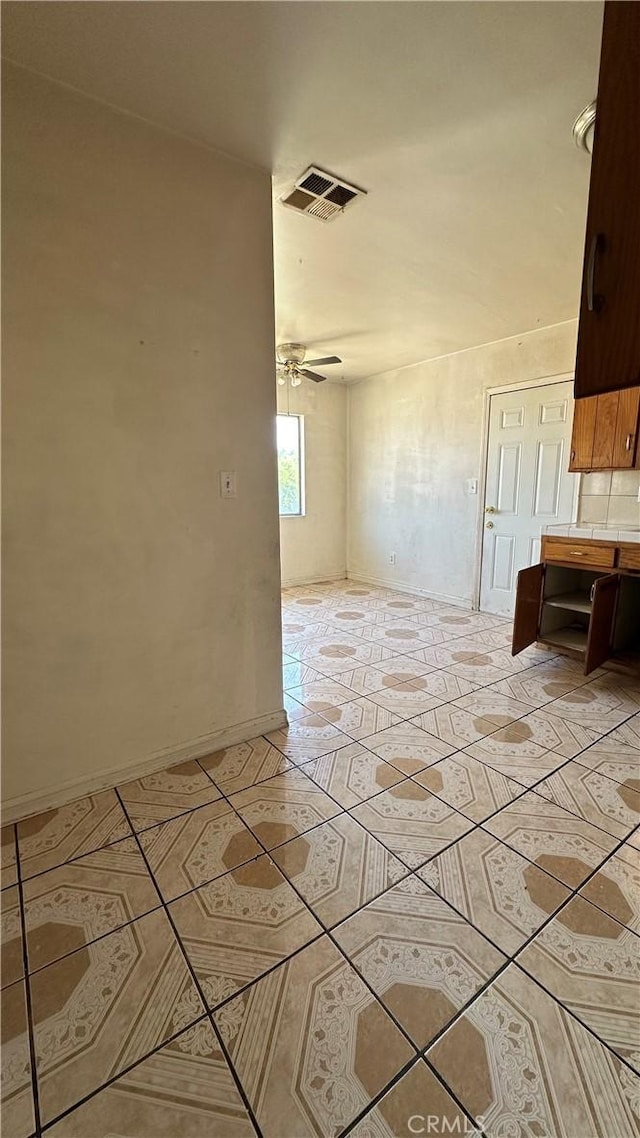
(320, 194)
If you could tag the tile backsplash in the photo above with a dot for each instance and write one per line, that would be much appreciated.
(610, 497)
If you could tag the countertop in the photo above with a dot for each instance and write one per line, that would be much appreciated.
(594, 533)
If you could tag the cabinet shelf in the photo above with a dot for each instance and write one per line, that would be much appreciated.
(573, 638)
(575, 602)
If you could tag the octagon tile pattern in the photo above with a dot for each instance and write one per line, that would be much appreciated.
(615, 888)
(408, 748)
(390, 1117)
(421, 898)
(419, 956)
(157, 797)
(360, 717)
(307, 738)
(614, 806)
(520, 759)
(8, 864)
(283, 808)
(50, 839)
(598, 705)
(100, 1009)
(197, 847)
(17, 1099)
(311, 1044)
(474, 789)
(352, 774)
(619, 761)
(455, 725)
(239, 926)
(338, 867)
(408, 698)
(522, 1063)
(236, 768)
(68, 907)
(12, 947)
(495, 888)
(551, 838)
(411, 822)
(591, 964)
(185, 1088)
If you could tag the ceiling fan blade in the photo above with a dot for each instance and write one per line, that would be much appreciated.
(324, 360)
(312, 375)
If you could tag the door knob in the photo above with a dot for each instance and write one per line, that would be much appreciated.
(489, 525)
(490, 510)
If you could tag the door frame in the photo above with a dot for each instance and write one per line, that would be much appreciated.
(489, 392)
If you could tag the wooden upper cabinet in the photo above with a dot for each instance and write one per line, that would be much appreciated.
(608, 356)
(584, 427)
(626, 452)
(605, 431)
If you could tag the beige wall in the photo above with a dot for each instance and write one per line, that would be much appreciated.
(415, 436)
(313, 547)
(141, 610)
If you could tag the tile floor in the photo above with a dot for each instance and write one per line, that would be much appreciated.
(414, 910)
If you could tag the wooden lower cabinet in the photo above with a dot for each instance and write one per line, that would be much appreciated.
(588, 611)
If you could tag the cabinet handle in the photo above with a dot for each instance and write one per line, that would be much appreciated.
(594, 302)
(628, 441)
(578, 553)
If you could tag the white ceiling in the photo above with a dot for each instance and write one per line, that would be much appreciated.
(455, 117)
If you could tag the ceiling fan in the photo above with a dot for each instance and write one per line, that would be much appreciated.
(289, 360)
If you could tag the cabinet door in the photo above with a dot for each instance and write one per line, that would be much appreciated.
(608, 356)
(584, 427)
(605, 432)
(527, 615)
(603, 607)
(626, 440)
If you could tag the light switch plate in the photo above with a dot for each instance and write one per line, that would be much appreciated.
(227, 484)
(472, 485)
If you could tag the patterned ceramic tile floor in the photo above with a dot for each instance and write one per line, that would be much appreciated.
(414, 910)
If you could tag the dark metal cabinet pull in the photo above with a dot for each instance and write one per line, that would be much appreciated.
(594, 302)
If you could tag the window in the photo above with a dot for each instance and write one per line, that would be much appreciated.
(290, 465)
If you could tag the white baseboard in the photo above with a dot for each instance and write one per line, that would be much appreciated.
(35, 802)
(314, 579)
(403, 587)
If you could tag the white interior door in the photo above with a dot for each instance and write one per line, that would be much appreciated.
(528, 484)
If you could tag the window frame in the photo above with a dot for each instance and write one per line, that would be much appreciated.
(301, 463)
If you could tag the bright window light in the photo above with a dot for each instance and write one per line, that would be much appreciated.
(290, 466)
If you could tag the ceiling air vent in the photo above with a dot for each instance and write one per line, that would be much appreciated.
(321, 195)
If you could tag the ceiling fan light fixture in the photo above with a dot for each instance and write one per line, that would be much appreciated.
(584, 127)
(289, 357)
(291, 353)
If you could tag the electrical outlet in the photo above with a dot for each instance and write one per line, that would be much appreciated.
(392, 558)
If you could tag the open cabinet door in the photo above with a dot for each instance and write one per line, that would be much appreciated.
(604, 595)
(527, 615)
